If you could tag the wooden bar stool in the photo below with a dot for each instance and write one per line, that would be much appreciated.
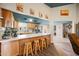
(28, 48)
(43, 43)
(47, 41)
(36, 46)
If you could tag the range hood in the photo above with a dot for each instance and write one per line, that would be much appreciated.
(28, 19)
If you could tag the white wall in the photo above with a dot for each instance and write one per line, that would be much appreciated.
(57, 17)
(72, 12)
(37, 7)
(77, 12)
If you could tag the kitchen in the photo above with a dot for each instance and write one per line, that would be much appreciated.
(18, 26)
(37, 29)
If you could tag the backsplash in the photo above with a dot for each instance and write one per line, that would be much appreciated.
(38, 29)
(31, 24)
(1, 31)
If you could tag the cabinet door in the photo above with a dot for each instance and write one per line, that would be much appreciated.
(14, 48)
(0, 17)
(7, 18)
(10, 48)
(21, 47)
(5, 49)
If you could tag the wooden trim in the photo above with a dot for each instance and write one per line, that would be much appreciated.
(0, 49)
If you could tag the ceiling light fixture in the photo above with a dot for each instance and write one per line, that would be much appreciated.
(31, 20)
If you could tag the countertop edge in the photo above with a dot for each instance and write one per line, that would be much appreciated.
(23, 37)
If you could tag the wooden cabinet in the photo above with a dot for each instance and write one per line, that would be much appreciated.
(25, 8)
(21, 47)
(10, 48)
(0, 17)
(5, 49)
(7, 18)
(14, 48)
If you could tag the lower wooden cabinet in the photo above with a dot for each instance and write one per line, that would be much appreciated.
(5, 49)
(16, 47)
(21, 47)
(10, 48)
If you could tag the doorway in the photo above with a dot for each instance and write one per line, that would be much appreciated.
(61, 30)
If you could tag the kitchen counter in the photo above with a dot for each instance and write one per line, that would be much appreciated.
(14, 46)
(23, 37)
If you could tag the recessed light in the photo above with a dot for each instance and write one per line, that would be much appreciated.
(30, 19)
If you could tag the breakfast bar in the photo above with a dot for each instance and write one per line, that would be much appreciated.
(15, 46)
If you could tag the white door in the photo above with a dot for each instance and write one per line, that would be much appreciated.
(59, 33)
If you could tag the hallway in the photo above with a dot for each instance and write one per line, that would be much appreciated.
(60, 37)
(64, 48)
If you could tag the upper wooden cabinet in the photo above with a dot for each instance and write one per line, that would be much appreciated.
(0, 17)
(7, 19)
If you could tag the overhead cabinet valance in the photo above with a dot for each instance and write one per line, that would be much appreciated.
(28, 19)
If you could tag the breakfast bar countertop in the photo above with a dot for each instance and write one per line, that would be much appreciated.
(23, 37)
